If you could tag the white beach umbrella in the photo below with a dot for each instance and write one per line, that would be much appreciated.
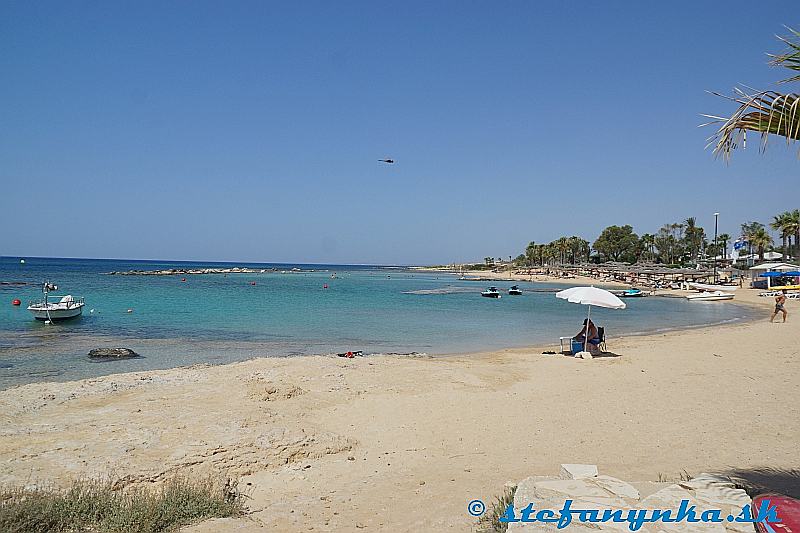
(590, 296)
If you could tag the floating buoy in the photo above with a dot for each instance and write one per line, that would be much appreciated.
(183, 279)
(325, 286)
(15, 301)
(252, 283)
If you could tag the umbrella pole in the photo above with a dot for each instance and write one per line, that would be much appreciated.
(586, 333)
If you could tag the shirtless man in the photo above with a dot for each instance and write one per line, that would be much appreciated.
(780, 303)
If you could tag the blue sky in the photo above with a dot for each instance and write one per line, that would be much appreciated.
(251, 130)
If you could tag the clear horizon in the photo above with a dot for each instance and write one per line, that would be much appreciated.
(251, 132)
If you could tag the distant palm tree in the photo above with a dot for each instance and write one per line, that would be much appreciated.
(762, 240)
(723, 239)
(694, 237)
(793, 227)
(530, 253)
(765, 112)
(648, 241)
(780, 223)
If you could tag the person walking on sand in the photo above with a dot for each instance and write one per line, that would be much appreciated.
(780, 303)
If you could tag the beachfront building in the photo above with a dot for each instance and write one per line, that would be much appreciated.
(758, 281)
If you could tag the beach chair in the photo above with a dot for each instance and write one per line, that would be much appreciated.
(601, 337)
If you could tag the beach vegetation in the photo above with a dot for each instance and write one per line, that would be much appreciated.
(787, 224)
(618, 243)
(490, 521)
(100, 505)
(675, 245)
(767, 112)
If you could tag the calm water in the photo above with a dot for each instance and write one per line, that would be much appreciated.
(216, 318)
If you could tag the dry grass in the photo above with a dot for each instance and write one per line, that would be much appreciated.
(94, 505)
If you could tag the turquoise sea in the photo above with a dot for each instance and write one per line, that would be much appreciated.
(218, 318)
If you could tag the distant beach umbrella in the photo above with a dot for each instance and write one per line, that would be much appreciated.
(590, 296)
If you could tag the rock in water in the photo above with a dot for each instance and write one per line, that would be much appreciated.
(112, 353)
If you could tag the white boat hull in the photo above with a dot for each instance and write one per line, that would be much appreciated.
(709, 297)
(712, 288)
(55, 311)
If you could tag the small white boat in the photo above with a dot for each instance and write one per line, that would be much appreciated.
(491, 292)
(514, 291)
(65, 307)
(709, 296)
(712, 288)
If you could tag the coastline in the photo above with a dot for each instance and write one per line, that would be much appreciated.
(325, 441)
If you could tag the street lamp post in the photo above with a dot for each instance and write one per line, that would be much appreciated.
(716, 220)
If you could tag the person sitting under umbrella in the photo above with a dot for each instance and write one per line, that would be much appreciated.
(588, 334)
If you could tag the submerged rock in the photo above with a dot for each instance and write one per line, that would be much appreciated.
(112, 353)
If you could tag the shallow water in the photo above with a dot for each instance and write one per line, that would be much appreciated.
(217, 318)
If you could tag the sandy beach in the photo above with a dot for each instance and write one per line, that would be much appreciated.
(403, 443)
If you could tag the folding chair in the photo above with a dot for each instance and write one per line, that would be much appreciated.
(601, 333)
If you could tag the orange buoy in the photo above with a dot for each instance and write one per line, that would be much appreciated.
(15, 301)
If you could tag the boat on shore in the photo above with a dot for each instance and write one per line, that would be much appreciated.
(631, 293)
(491, 292)
(712, 288)
(514, 291)
(709, 296)
(66, 306)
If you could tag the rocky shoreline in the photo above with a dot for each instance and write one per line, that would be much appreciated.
(195, 271)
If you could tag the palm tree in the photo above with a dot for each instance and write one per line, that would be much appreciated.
(648, 241)
(761, 239)
(748, 230)
(764, 112)
(530, 253)
(723, 239)
(694, 237)
(793, 227)
(780, 223)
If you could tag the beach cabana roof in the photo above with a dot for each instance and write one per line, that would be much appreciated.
(775, 266)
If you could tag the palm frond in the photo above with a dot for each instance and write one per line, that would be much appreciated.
(791, 57)
(764, 112)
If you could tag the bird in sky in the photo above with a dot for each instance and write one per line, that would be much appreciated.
(389, 161)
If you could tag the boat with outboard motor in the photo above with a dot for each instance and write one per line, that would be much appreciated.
(65, 307)
(709, 296)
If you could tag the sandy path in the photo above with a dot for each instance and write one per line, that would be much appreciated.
(401, 444)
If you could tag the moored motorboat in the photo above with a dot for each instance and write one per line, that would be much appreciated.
(514, 291)
(65, 307)
(711, 288)
(491, 292)
(709, 296)
(632, 293)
